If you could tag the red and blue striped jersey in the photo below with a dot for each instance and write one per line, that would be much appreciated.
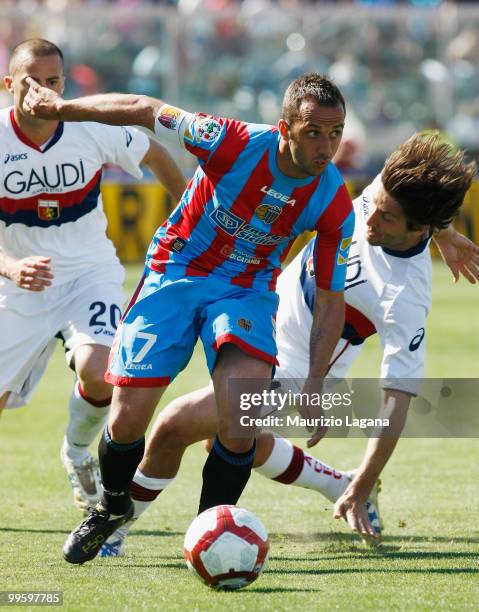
(239, 214)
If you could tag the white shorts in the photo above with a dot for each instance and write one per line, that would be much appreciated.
(290, 375)
(84, 311)
(295, 366)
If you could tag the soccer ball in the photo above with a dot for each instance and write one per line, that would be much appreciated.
(226, 547)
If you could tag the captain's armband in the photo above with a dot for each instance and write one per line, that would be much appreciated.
(171, 118)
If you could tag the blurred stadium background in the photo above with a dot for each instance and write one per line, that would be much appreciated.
(402, 65)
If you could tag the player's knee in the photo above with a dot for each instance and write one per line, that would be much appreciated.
(94, 386)
(91, 374)
(90, 365)
(124, 429)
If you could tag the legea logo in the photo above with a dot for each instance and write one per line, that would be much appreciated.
(277, 195)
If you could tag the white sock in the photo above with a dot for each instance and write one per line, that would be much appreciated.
(279, 459)
(85, 422)
(144, 491)
(289, 464)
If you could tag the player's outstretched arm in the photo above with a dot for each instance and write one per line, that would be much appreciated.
(459, 253)
(32, 273)
(328, 323)
(165, 169)
(351, 504)
(110, 108)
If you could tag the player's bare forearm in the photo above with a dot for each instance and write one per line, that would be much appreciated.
(395, 406)
(328, 323)
(351, 504)
(113, 109)
(166, 170)
(110, 108)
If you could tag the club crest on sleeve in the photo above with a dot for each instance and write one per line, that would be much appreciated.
(268, 213)
(48, 210)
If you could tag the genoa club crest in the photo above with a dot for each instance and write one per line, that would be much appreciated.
(48, 210)
(268, 213)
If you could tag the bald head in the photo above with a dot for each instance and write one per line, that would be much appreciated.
(33, 48)
(40, 60)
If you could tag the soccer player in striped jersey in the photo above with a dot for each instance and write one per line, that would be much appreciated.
(59, 274)
(388, 292)
(211, 272)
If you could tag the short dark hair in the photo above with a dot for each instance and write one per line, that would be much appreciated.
(428, 177)
(33, 47)
(311, 86)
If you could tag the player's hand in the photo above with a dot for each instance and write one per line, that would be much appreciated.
(351, 506)
(459, 253)
(312, 409)
(41, 102)
(32, 273)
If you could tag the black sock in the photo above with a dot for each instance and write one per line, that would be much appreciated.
(225, 475)
(118, 463)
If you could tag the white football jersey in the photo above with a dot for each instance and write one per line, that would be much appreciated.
(387, 291)
(50, 202)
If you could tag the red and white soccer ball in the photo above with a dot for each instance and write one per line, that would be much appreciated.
(226, 547)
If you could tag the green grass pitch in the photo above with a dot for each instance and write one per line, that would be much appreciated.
(430, 501)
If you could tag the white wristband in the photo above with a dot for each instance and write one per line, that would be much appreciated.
(171, 118)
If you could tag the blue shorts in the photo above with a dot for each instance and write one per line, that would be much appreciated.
(167, 315)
